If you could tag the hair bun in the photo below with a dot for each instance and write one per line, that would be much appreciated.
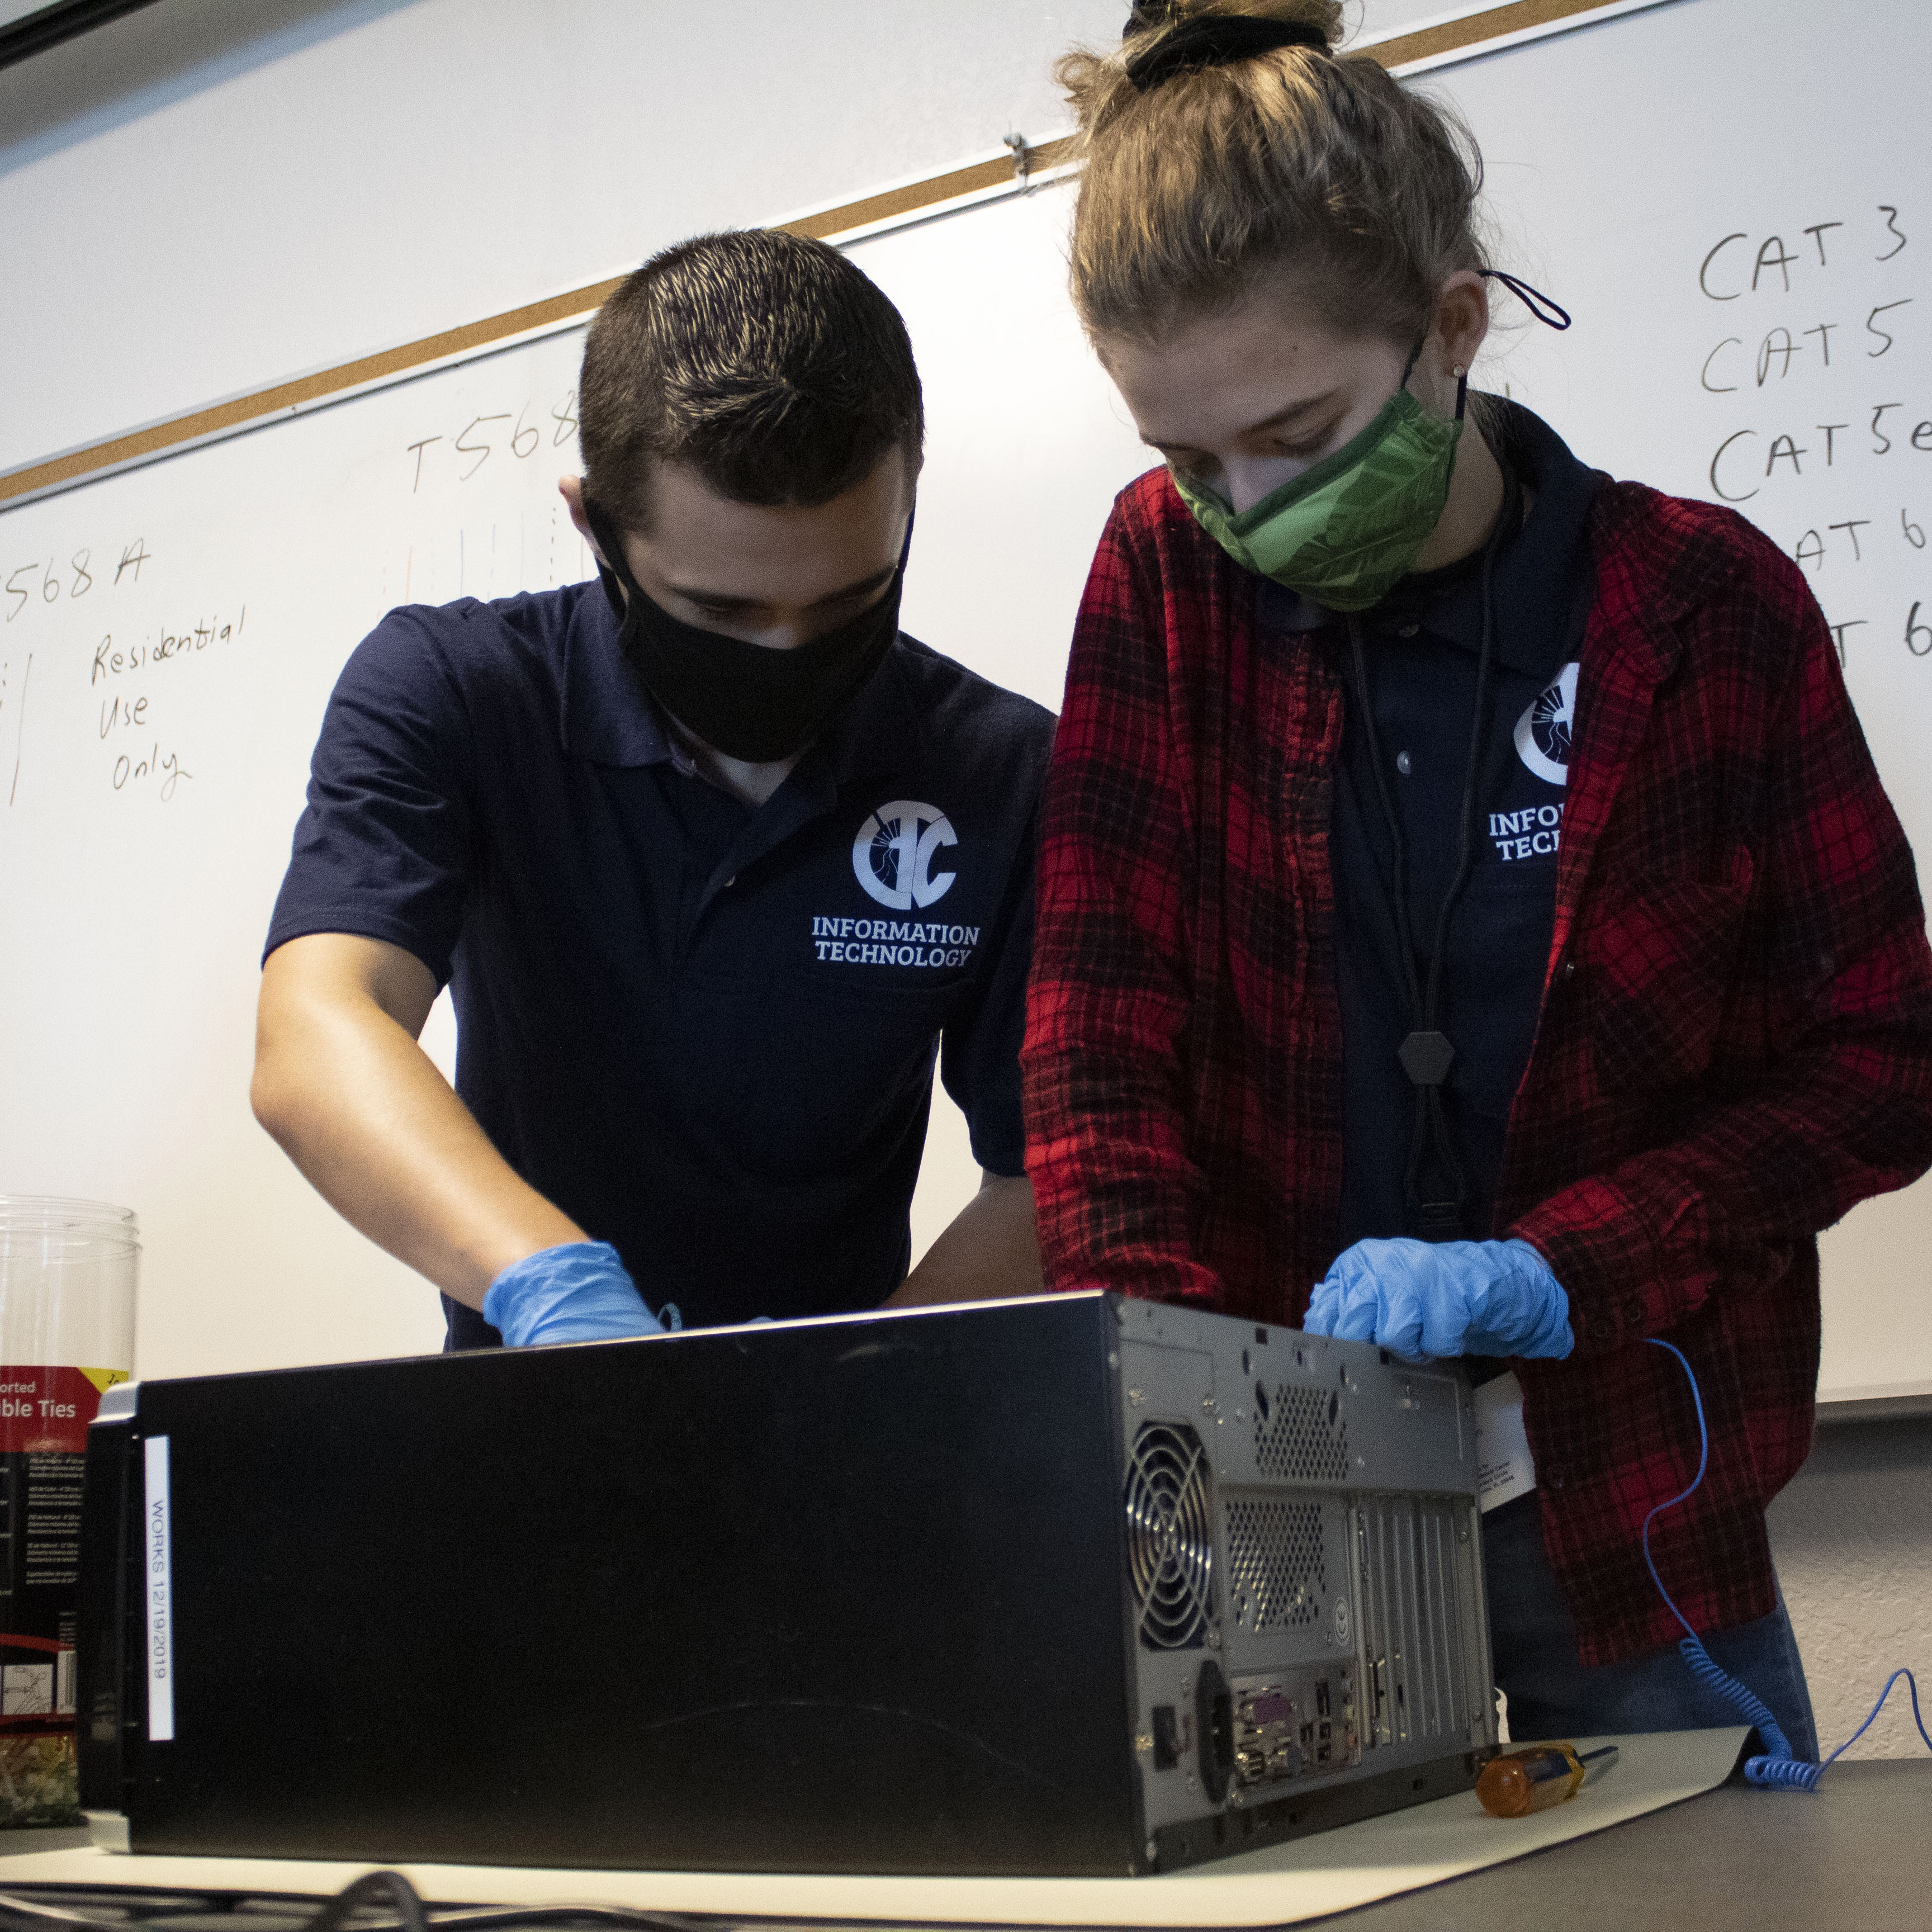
(1216, 39)
(1320, 20)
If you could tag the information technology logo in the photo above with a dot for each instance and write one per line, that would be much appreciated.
(1543, 731)
(893, 853)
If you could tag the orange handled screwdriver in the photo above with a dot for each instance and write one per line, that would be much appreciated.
(1520, 1782)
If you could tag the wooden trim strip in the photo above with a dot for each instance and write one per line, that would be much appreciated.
(240, 412)
(1518, 16)
(930, 193)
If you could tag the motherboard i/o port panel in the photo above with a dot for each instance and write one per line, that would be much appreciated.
(1286, 1724)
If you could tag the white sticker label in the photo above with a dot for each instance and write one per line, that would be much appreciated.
(1504, 1468)
(160, 1596)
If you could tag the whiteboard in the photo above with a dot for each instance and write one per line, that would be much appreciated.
(1620, 158)
(141, 845)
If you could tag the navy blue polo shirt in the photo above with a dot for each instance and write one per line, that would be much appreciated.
(707, 1032)
(1422, 646)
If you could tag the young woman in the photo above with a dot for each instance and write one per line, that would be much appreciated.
(1464, 887)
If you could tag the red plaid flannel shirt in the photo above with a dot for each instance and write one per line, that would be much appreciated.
(1734, 1046)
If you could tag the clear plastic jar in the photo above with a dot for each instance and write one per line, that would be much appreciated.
(67, 1275)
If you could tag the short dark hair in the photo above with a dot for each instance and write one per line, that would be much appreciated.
(765, 361)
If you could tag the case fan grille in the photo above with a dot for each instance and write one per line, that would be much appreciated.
(1170, 1536)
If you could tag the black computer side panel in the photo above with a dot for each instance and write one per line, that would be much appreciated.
(819, 1596)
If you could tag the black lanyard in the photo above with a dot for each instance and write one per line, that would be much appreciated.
(1426, 1052)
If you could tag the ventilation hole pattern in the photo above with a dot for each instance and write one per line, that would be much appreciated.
(1277, 1572)
(1300, 1437)
(1170, 1536)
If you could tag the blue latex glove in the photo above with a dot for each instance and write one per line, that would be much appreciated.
(1424, 1298)
(578, 1292)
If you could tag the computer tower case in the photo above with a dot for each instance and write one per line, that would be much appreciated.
(1075, 1585)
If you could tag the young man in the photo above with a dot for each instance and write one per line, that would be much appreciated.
(716, 862)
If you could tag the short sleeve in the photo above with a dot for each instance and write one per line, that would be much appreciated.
(383, 850)
(980, 1057)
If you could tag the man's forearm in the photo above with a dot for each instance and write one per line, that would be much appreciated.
(989, 1251)
(342, 1085)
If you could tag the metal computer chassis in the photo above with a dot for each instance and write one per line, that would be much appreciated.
(1074, 1585)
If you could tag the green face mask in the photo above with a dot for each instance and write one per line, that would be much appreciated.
(1344, 532)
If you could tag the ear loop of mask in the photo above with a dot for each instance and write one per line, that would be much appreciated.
(1461, 378)
(608, 558)
(1551, 314)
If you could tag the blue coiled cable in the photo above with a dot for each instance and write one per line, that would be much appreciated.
(1778, 1769)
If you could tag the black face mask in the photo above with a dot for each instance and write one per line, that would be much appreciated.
(748, 701)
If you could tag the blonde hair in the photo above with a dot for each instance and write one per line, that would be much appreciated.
(1299, 160)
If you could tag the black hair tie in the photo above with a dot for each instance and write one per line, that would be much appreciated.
(1215, 40)
(1554, 314)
